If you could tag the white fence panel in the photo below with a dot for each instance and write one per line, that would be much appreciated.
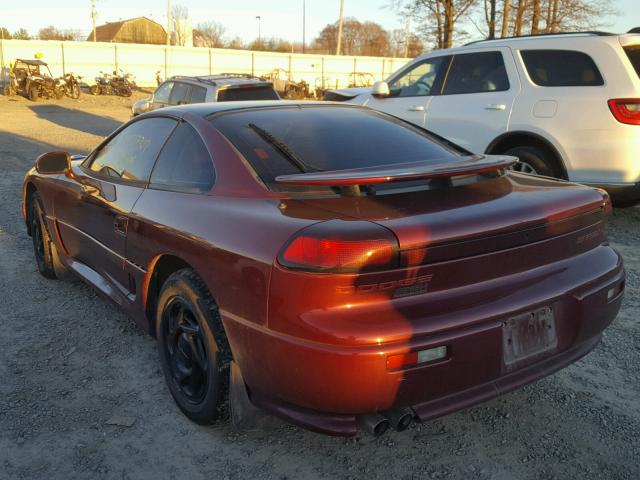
(88, 59)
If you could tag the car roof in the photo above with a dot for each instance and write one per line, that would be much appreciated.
(222, 80)
(207, 109)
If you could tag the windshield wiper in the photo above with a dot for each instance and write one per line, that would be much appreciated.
(282, 147)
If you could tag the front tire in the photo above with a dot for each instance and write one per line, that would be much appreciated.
(43, 248)
(75, 91)
(535, 160)
(194, 352)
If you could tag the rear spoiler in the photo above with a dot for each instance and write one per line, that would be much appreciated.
(400, 172)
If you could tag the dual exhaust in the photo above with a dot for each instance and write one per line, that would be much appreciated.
(376, 424)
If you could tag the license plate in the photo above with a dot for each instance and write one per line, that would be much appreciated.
(527, 336)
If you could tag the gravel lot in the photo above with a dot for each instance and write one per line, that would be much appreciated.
(71, 364)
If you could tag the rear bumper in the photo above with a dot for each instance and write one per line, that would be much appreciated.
(346, 425)
(622, 194)
(323, 386)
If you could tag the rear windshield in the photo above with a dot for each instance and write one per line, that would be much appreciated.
(633, 52)
(231, 94)
(290, 140)
(561, 68)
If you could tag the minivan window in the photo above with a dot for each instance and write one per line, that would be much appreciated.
(476, 73)
(247, 93)
(561, 68)
(130, 155)
(281, 141)
(184, 163)
(633, 52)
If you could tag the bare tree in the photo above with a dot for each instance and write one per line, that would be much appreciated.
(52, 33)
(438, 18)
(358, 38)
(209, 34)
(21, 34)
(490, 16)
(180, 17)
(506, 17)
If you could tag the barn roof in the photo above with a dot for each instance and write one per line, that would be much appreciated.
(109, 31)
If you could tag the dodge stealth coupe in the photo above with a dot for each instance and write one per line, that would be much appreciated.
(335, 266)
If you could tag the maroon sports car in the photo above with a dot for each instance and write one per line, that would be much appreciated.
(344, 268)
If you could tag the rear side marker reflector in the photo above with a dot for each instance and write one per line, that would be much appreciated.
(626, 110)
(414, 359)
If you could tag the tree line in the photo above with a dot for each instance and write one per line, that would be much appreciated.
(436, 24)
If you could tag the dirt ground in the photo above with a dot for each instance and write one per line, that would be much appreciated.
(71, 364)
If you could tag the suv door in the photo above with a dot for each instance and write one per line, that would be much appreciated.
(477, 98)
(412, 89)
(95, 219)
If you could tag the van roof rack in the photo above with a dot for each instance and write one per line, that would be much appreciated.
(591, 32)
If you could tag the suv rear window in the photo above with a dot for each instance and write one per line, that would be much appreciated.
(322, 138)
(231, 94)
(561, 68)
(633, 53)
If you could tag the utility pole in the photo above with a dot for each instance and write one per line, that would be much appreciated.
(259, 18)
(168, 22)
(340, 27)
(304, 25)
(94, 14)
(406, 36)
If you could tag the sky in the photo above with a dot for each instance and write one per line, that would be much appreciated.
(279, 18)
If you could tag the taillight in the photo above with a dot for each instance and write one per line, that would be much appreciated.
(341, 246)
(626, 110)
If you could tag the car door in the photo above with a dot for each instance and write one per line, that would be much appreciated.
(477, 98)
(411, 90)
(161, 95)
(94, 222)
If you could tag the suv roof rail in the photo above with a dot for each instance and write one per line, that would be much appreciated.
(201, 79)
(591, 32)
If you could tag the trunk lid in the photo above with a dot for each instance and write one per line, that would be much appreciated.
(485, 215)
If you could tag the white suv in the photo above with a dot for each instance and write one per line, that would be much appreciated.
(568, 105)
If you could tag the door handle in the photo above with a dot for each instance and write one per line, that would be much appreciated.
(496, 106)
(120, 224)
(417, 108)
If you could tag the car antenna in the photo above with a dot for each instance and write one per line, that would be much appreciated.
(282, 148)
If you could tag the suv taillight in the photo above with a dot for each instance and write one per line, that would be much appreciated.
(626, 110)
(341, 246)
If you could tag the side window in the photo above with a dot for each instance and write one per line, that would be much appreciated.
(179, 94)
(162, 93)
(476, 73)
(184, 163)
(198, 94)
(419, 80)
(131, 153)
(561, 68)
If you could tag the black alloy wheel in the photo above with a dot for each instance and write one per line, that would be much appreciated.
(187, 356)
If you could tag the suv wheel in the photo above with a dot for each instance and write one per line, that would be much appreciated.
(534, 160)
(194, 352)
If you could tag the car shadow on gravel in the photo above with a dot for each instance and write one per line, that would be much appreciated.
(76, 119)
(28, 149)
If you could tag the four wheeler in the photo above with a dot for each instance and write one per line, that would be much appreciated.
(285, 87)
(33, 79)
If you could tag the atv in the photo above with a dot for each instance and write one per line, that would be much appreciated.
(33, 79)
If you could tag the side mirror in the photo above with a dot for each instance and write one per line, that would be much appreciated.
(53, 163)
(380, 89)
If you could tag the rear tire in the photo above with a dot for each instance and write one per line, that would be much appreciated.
(34, 94)
(535, 160)
(194, 352)
(75, 91)
(43, 248)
